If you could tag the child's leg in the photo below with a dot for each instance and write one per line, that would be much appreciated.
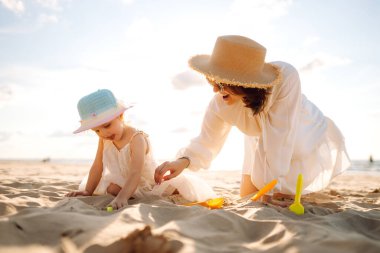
(113, 189)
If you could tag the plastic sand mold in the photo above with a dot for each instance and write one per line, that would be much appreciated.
(297, 207)
(264, 190)
(216, 203)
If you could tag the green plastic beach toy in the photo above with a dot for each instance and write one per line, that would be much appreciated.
(297, 207)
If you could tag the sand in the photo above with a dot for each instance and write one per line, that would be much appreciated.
(35, 216)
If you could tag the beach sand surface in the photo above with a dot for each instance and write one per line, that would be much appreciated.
(35, 216)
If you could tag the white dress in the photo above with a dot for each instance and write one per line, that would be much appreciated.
(116, 167)
(290, 136)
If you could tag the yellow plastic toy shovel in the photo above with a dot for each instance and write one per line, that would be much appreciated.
(297, 207)
(211, 203)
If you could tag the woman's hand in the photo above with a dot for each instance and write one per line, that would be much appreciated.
(175, 168)
(78, 193)
(118, 203)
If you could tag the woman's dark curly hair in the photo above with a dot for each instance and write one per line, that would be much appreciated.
(253, 98)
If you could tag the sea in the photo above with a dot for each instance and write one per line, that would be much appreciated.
(357, 165)
(365, 165)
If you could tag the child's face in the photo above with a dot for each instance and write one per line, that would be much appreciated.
(112, 130)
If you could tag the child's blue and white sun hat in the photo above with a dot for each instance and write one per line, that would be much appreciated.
(98, 108)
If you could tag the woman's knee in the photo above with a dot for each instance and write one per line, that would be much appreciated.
(246, 186)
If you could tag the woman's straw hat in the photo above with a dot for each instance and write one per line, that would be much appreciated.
(98, 108)
(237, 61)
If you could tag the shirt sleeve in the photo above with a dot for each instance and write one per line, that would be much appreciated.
(204, 148)
(279, 124)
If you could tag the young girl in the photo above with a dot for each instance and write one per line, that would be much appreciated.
(124, 164)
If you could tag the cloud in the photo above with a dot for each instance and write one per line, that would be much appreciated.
(5, 94)
(323, 61)
(187, 79)
(32, 26)
(16, 6)
(50, 4)
(59, 134)
(47, 19)
(5, 136)
(314, 64)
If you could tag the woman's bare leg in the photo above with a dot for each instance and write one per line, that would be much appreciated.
(246, 186)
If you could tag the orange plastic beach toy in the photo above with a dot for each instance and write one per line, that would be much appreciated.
(264, 190)
(216, 203)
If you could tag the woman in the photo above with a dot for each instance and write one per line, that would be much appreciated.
(285, 133)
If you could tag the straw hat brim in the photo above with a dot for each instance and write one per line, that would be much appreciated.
(268, 77)
(102, 118)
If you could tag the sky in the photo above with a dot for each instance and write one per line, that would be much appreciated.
(53, 52)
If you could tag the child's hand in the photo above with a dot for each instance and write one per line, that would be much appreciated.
(78, 193)
(118, 203)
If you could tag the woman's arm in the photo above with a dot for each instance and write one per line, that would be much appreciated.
(137, 152)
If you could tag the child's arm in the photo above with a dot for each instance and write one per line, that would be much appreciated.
(96, 169)
(94, 175)
(138, 150)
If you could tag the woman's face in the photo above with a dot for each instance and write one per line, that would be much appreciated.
(112, 130)
(228, 97)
